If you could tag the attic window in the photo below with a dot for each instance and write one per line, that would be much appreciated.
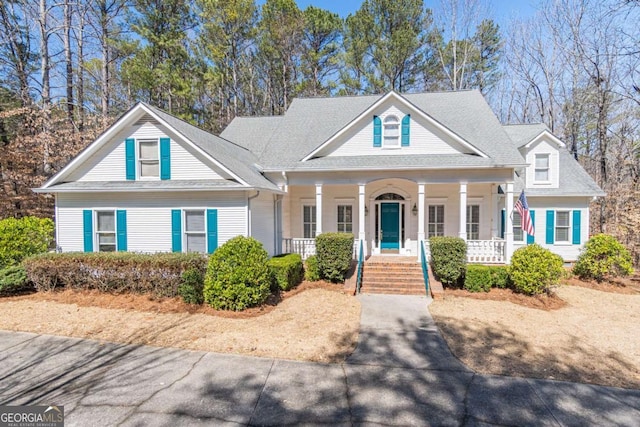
(148, 158)
(391, 132)
(542, 168)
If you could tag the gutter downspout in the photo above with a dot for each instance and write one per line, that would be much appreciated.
(249, 231)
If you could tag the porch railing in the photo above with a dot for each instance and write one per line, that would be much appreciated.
(485, 251)
(425, 265)
(304, 247)
(360, 263)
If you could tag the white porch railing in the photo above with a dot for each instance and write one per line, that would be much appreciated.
(485, 251)
(307, 247)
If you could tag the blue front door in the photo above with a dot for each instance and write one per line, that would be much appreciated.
(390, 225)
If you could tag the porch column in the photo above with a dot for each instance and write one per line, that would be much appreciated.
(508, 228)
(421, 215)
(318, 209)
(462, 232)
(495, 212)
(361, 219)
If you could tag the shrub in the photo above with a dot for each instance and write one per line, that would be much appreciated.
(603, 257)
(20, 238)
(117, 272)
(13, 280)
(286, 271)
(448, 259)
(534, 269)
(192, 285)
(499, 276)
(477, 278)
(335, 251)
(238, 275)
(311, 269)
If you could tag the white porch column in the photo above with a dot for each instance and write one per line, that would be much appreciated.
(495, 212)
(508, 228)
(318, 209)
(462, 232)
(421, 195)
(361, 219)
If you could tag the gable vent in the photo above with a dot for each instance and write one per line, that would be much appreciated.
(146, 119)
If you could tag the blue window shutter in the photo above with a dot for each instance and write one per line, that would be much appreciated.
(130, 154)
(165, 158)
(212, 230)
(551, 228)
(406, 124)
(576, 228)
(87, 225)
(377, 131)
(121, 230)
(503, 222)
(176, 230)
(531, 239)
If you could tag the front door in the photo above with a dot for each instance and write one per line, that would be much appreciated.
(390, 226)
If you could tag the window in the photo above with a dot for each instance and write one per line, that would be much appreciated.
(473, 222)
(194, 230)
(148, 158)
(436, 220)
(106, 231)
(518, 232)
(542, 168)
(391, 132)
(309, 221)
(345, 219)
(562, 226)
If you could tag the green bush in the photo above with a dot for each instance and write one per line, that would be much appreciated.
(477, 278)
(238, 276)
(448, 259)
(603, 257)
(335, 251)
(192, 285)
(534, 269)
(20, 238)
(13, 280)
(311, 269)
(116, 272)
(286, 270)
(499, 276)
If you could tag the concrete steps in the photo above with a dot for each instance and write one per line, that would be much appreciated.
(388, 276)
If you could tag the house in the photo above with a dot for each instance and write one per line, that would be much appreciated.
(393, 170)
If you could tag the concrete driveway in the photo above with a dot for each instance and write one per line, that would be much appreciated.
(402, 373)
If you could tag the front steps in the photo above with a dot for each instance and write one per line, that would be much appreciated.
(392, 275)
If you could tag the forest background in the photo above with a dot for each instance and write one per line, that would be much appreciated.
(69, 68)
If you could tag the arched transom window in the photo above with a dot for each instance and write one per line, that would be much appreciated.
(389, 196)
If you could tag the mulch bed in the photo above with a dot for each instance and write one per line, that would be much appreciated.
(627, 286)
(541, 302)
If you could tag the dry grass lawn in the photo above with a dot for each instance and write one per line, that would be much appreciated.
(594, 338)
(314, 324)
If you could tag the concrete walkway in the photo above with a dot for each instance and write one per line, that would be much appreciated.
(402, 373)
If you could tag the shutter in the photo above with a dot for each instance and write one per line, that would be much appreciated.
(176, 230)
(130, 154)
(576, 228)
(87, 225)
(551, 228)
(406, 124)
(121, 230)
(212, 230)
(165, 158)
(377, 131)
(531, 239)
(503, 222)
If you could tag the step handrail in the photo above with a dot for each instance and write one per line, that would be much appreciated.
(360, 262)
(425, 267)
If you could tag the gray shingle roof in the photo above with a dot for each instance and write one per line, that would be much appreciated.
(396, 162)
(252, 132)
(522, 134)
(237, 159)
(168, 185)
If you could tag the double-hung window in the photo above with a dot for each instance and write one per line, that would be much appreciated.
(345, 218)
(195, 231)
(391, 132)
(436, 220)
(542, 168)
(518, 232)
(563, 226)
(106, 231)
(473, 222)
(309, 221)
(148, 158)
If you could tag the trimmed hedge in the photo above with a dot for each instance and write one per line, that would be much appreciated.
(238, 276)
(448, 259)
(477, 278)
(190, 290)
(499, 276)
(603, 257)
(335, 251)
(21, 238)
(286, 271)
(13, 280)
(311, 269)
(534, 269)
(117, 272)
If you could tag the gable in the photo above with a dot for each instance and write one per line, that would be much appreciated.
(542, 147)
(108, 163)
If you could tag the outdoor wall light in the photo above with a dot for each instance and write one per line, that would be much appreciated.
(414, 210)
(366, 211)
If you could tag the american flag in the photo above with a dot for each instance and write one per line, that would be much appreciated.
(523, 209)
